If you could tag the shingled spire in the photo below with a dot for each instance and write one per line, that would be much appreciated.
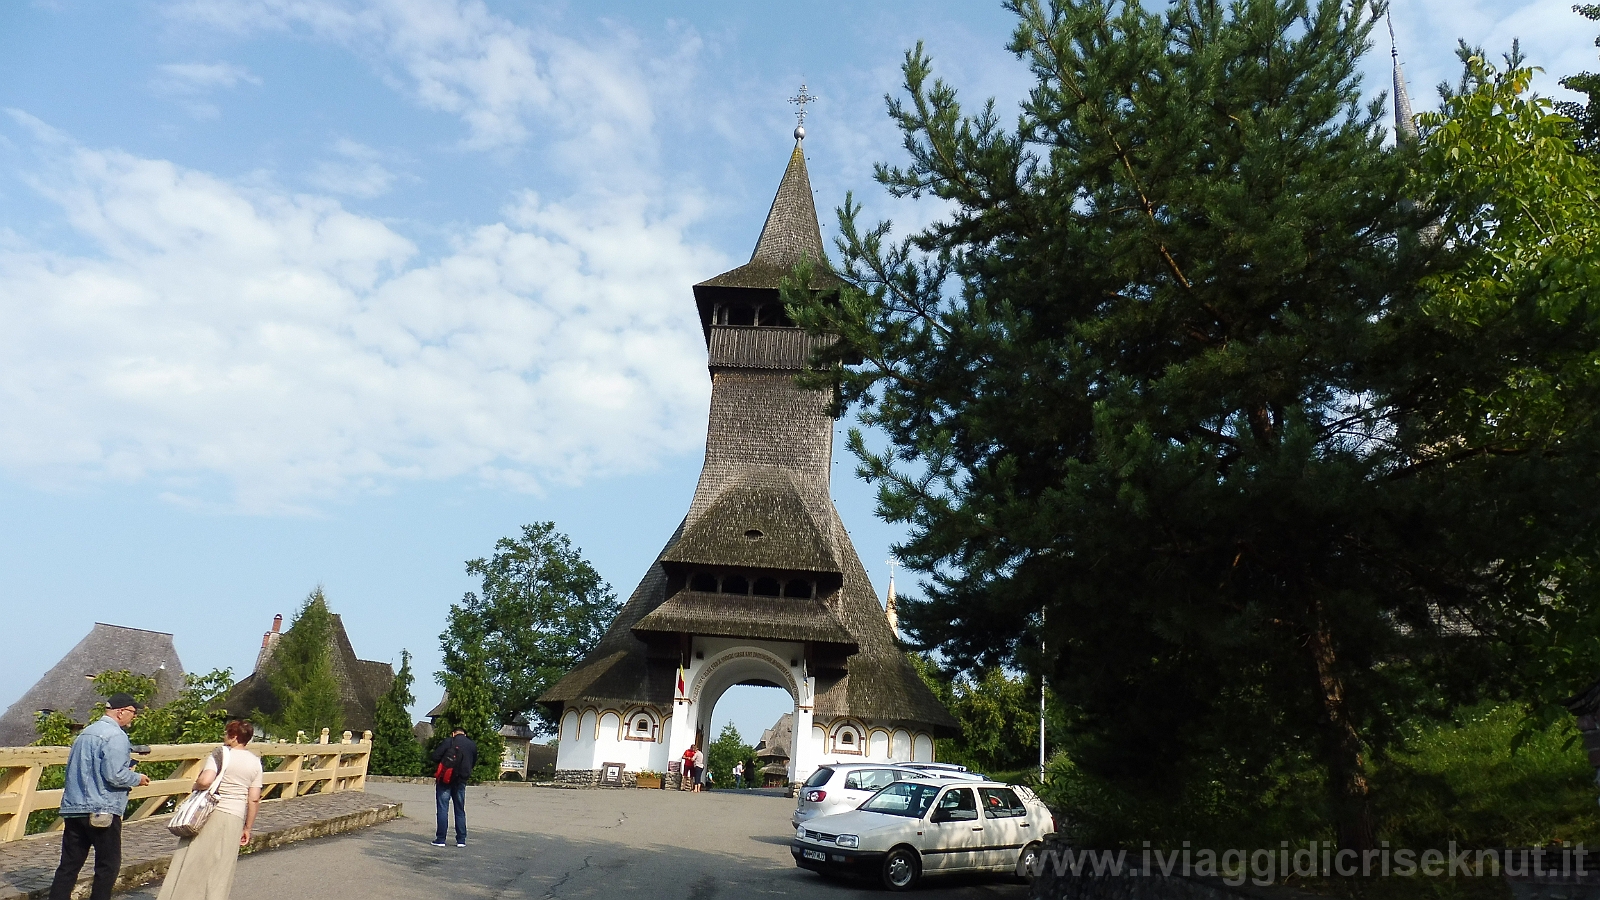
(1405, 124)
(789, 235)
(791, 229)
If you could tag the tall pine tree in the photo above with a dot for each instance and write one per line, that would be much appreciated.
(395, 750)
(301, 674)
(1163, 393)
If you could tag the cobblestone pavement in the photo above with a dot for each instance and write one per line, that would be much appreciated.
(27, 866)
(532, 842)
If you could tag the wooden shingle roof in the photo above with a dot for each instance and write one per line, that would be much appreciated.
(757, 521)
(67, 688)
(361, 683)
(789, 234)
(742, 616)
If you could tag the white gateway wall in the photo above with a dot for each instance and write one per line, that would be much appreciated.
(645, 738)
(592, 736)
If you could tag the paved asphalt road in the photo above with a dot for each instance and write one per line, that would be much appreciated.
(526, 842)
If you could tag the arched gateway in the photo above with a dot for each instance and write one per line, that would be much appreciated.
(760, 584)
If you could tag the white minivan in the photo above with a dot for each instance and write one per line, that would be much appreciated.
(837, 787)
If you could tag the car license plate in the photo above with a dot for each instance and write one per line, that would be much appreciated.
(817, 855)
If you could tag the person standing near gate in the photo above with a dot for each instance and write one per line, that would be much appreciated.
(699, 770)
(99, 775)
(453, 761)
(686, 781)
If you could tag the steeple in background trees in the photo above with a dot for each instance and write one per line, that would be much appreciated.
(1405, 122)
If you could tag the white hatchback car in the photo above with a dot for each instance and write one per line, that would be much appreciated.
(838, 787)
(912, 828)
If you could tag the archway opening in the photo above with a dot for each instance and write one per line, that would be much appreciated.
(742, 715)
(744, 699)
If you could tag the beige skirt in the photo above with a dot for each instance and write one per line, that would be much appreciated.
(202, 869)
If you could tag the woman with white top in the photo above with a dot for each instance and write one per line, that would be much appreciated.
(202, 869)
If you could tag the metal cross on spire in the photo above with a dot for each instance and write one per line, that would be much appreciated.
(800, 100)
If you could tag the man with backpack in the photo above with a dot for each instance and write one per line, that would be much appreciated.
(453, 761)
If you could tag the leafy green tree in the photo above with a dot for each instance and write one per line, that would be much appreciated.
(1519, 199)
(55, 729)
(542, 607)
(998, 712)
(1585, 116)
(727, 749)
(471, 706)
(1168, 386)
(395, 750)
(301, 674)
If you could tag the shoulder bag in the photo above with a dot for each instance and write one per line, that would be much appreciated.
(195, 809)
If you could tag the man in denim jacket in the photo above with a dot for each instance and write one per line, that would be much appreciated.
(99, 775)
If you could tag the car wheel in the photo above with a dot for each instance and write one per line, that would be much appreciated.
(1028, 861)
(901, 869)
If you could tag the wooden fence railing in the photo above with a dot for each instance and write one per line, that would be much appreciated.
(300, 769)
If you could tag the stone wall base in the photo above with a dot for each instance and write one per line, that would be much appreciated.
(588, 778)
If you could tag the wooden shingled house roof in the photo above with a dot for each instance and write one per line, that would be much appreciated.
(361, 681)
(762, 509)
(67, 687)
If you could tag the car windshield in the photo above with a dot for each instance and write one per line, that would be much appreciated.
(903, 798)
(819, 777)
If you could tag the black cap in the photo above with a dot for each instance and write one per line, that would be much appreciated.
(123, 701)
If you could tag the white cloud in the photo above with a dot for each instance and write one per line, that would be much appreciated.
(195, 77)
(297, 350)
(190, 83)
(504, 80)
(358, 172)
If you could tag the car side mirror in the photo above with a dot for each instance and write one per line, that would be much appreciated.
(939, 815)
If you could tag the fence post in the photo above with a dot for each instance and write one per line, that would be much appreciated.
(324, 738)
(22, 782)
(365, 761)
(292, 789)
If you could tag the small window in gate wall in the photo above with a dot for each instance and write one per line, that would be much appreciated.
(641, 725)
(847, 739)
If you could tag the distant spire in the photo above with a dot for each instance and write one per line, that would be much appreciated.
(889, 609)
(1405, 125)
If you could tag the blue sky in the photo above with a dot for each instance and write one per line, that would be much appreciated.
(300, 292)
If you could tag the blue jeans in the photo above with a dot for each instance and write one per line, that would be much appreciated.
(442, 794)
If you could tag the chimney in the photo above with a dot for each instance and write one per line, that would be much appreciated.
(277, 623)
